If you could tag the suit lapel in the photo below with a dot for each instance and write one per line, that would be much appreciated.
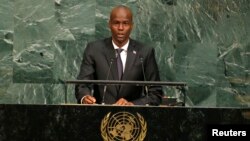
(131, 56)
(110, 55)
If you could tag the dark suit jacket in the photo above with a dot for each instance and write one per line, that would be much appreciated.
(95, 65)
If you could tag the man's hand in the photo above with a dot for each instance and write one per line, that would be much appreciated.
(88, 100)
(123, 102)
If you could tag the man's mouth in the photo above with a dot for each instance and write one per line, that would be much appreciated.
(120, 35)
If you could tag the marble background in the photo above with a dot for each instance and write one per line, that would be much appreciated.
(205, 43)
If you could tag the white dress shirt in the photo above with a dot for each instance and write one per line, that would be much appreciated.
(123, 54)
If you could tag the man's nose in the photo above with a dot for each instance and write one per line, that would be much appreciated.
(121, 26)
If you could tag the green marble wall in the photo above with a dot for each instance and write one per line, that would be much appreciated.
(205, 43)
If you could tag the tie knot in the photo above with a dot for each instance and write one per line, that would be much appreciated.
(119, 50)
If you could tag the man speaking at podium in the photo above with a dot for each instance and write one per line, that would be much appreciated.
(119, 58)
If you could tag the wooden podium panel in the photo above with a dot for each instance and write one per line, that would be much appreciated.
(93, 123)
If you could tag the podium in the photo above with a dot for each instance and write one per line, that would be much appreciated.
(86, 123)
(182, 86)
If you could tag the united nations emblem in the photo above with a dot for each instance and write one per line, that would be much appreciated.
(123, 126)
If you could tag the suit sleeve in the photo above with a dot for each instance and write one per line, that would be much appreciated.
(152, 74)
(86, 73)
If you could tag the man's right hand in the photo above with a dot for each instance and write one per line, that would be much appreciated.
(88, 100)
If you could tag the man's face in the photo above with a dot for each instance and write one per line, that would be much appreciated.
(121, 25)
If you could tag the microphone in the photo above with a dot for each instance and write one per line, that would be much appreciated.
(116, 55)
(105, 86)
(144, 77)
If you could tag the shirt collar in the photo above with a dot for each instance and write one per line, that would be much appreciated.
(125, 47)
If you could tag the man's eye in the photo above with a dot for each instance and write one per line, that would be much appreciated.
(116, 23)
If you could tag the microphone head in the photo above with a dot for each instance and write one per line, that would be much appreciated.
(116, 54)
(141, 59)
(111, 60)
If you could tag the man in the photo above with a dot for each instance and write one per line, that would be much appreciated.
(135, 59)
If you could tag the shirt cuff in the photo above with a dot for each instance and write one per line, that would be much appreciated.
(82, 99)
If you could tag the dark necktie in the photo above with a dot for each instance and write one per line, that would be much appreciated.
(119, 63)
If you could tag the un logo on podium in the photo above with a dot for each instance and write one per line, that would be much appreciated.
(123, 126)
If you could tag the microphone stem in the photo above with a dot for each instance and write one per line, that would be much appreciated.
(105, 86)
(146, 89)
